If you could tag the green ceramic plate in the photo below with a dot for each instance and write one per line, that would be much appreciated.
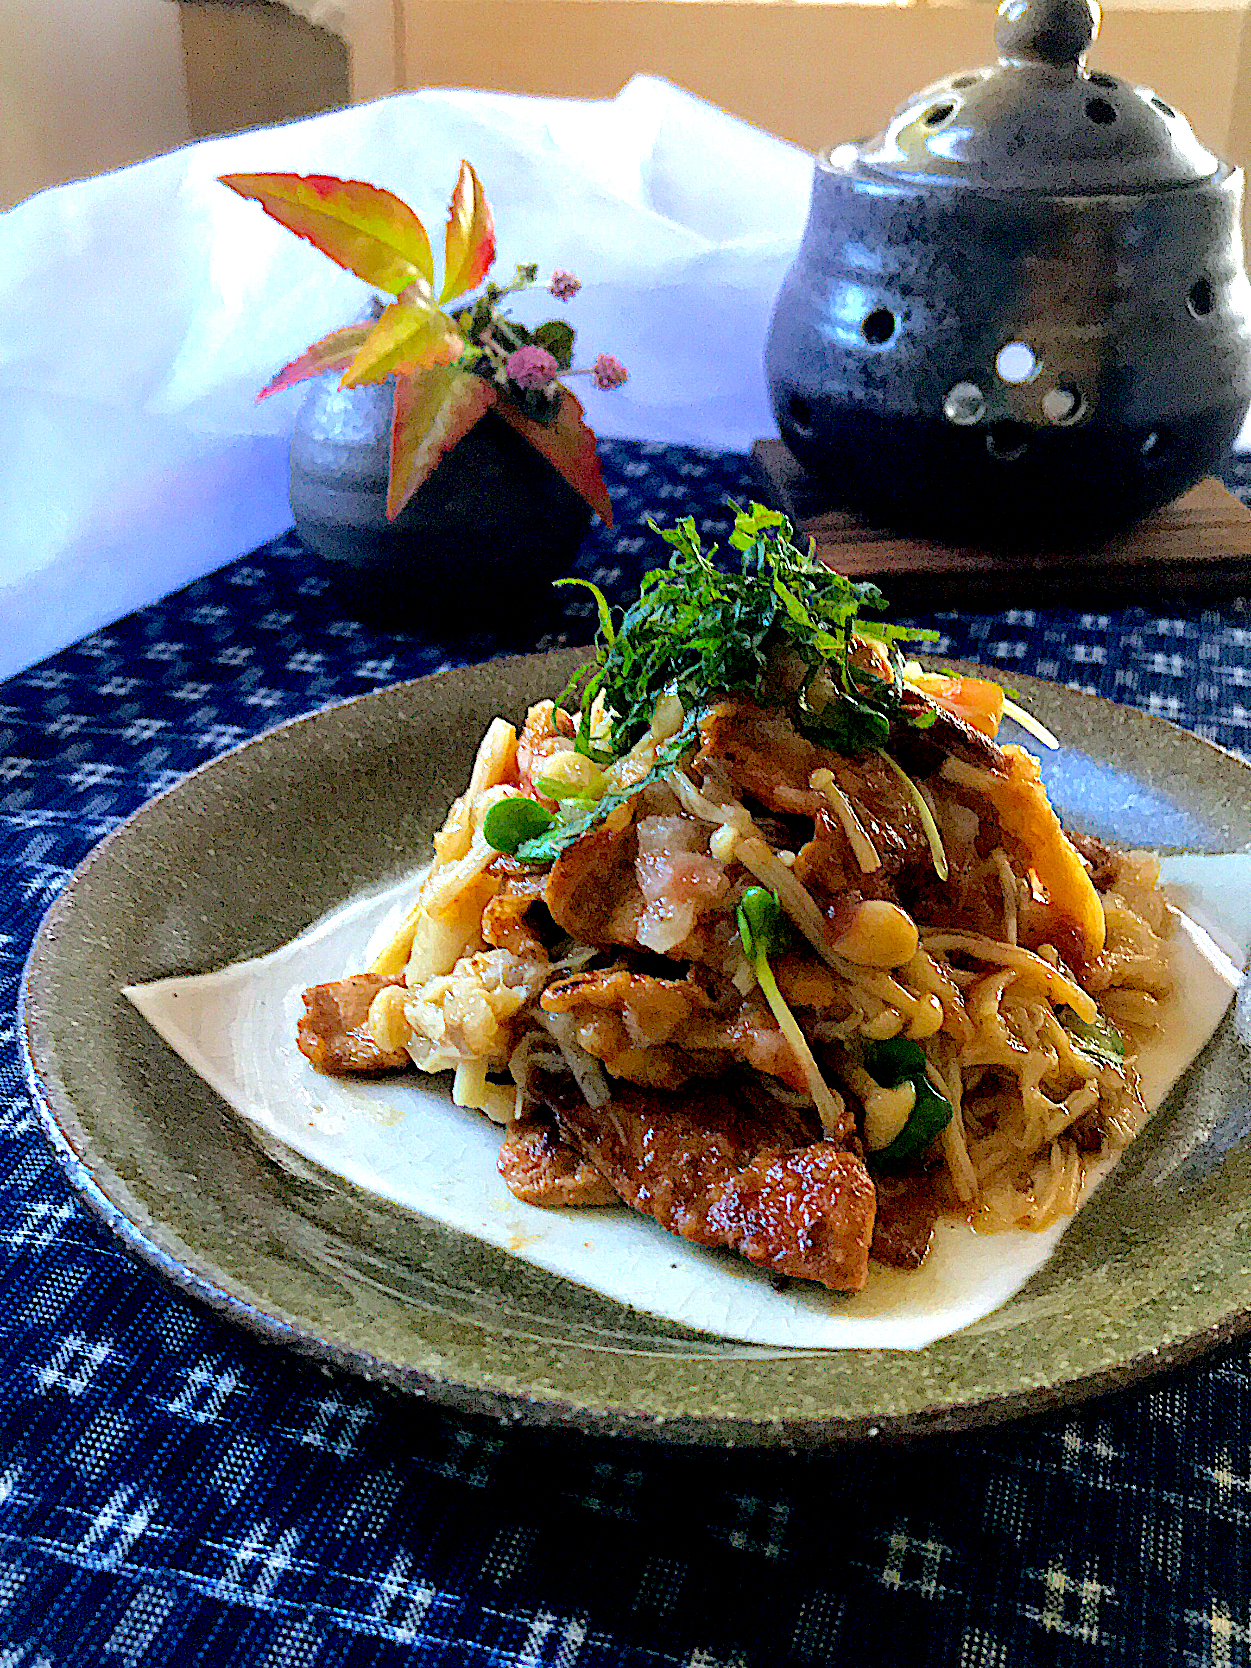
(239, 857)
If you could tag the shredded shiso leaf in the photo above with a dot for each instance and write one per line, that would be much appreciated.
(780, 627)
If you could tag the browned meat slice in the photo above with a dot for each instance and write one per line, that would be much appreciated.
(906, 1212)
(1089, 1131)
(828, 867)
(762, 753)
(923, 751)
(709, 1164)
(885, 809)
(592, 892)
(332, 1031)
(808, 1212)
(888, 814)
(1103, 861)
(767, 759)
(653, 1009)
(542, 1169)
(764, 756)
(505, 922)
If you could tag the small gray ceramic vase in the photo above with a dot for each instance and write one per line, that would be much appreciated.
(1020, 314)
(479, 541)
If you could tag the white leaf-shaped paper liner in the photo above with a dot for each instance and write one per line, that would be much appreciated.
(403, 1139)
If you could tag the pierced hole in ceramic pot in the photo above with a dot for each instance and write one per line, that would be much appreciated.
(964, 404)
(1164, 109)
(937, 114)
(1100, 78)
(1063, 406)
(878, 327)
(1007, 440)
(800, 411)
(964, 81)
(1200, 300)
(1156, 446)
(1100, 112)
(1016, 362)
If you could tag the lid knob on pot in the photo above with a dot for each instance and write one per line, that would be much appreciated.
(1058, 32)
(1037, 120)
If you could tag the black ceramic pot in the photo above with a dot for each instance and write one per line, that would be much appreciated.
(1020, 314)
(479, 542)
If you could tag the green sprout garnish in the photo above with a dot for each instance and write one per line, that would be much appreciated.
(901, 1060)
(697, 631)
(510, 822)
(541, 839)
(763, 931)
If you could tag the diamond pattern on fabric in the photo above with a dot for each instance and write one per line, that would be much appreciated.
(173, 1492)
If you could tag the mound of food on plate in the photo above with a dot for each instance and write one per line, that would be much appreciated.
(758, 929)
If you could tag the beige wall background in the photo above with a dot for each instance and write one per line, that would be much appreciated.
(87, 85)
(813, 73)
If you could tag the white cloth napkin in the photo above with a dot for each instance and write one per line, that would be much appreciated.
(140, 312)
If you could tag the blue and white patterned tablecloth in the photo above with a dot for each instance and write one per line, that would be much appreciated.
(174, 1492)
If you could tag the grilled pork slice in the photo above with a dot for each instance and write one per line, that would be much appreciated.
(543, 1169)
(769, 761)
(766, 757)
(763, 755)
(333, 1032)
(887, 813)
(506, 922)
(662, 1032)
(709, 1165)
(592, 891)
(943, 736)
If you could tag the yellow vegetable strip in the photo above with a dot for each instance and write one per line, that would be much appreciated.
(1021, 802)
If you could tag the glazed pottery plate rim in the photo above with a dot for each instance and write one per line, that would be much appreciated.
(195, 1274)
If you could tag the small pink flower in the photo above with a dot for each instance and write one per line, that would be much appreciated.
(608, 372)
(564, 284)
(531, 367)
